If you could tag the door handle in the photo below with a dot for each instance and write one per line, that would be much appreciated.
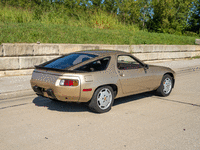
(121, 74)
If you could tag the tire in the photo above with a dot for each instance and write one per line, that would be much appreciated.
(102, 100)
(165, 87)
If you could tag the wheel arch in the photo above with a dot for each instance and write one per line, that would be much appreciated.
(113, 86)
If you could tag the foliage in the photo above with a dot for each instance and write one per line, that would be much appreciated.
(129, 11)
(194, 23)
(170, 16)
(110, 6)
(180, 17)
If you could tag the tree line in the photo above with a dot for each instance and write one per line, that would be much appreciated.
(162, 16)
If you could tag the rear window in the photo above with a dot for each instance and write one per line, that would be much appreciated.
(69, 60)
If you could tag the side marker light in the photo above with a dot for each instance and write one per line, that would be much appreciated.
(85, 90)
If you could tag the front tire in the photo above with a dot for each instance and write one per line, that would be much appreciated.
(102, 99)
(166, 85)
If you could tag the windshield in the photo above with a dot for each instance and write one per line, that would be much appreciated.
(69, 60)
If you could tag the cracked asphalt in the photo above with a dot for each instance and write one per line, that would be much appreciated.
(138, 122)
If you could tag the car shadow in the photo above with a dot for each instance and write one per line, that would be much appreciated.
(131, 98)
(81, 107)
(59, 105)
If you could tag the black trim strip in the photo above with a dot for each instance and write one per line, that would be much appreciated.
(60, 70)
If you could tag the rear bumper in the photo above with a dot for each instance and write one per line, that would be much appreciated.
(54, 91)
(61, 93)
(40, 91)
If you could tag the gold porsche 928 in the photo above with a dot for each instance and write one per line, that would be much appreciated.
(97, 77)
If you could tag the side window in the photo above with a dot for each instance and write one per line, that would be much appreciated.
(127, 62)
(97, 65)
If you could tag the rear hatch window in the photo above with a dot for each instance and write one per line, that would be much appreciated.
(69, 60)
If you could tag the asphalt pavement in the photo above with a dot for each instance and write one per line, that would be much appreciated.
(18, 86)
(138, 122)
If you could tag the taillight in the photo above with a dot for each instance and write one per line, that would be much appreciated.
(67, 82)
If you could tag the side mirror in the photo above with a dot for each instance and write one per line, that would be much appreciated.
(146, 66)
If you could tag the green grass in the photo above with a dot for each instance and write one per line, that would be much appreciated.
(53, 33)
(23, 26)
(196, 57)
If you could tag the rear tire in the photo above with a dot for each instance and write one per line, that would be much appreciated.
(102, 99)
(166, 85)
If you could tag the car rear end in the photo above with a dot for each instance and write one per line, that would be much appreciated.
(55, 85)
(55, 80)
(74, 77)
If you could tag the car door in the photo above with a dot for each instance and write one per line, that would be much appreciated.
(133, 76)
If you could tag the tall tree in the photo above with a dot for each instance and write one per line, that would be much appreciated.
(194, 23)
(97, 4)
(129, 11)
(110, 6)
(169, 16)
(146, 12)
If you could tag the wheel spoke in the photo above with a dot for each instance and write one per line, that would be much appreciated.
(100, 99)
